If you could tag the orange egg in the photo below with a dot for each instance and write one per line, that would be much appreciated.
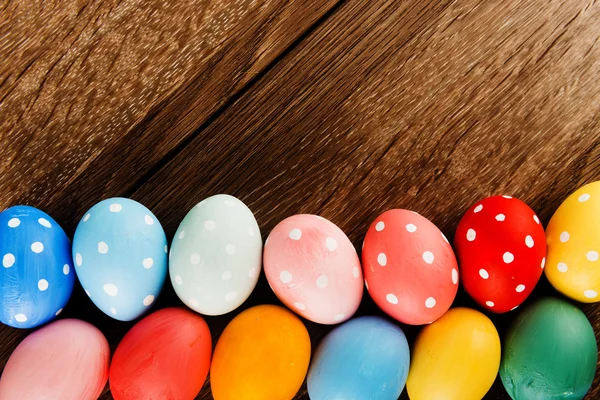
(263, 354)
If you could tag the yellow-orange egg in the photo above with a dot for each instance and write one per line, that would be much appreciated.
(573, 237)
(455, 358)
(263, 354)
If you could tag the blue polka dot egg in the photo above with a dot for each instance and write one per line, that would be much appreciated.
(36, 277)
(120, 254)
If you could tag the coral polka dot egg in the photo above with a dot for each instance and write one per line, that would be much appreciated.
(120, 254)
(573, 237)
(501, 248)
(313, 268)
(410, 269)
(36, 277)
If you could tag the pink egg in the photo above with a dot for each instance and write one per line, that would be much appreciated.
(410, 269)
(65, 360)
(313, 268)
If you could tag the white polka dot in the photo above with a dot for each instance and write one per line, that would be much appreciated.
(37, 247)
(445, 238)
(14, 222)
(181, 235)
(285, 277)
(428, 257)
(148, 219)
(42, 285)
(391, 299)
(478, 208)
(178, 280)
(148, 300)
(322, 281)
(471, 235)
(592, 255)
(382, 259)
(210, 225)
(44, 222)
(250, 231)
(366, 284)
(88, 293)
(543, 262)
(66, 269)
(148, 262)
(379, 226)
(500, 217)
(194, 302)
(252, 273)
(489, 303)
(536, 219)
(86, 217)
(508, 257)
(507, 197)
(590, 294)
(230, 296)
(111, 289)
(226, 275)
(529, 241)
(339, 317)
(8, 260)
(484, 274)
(584, 197)
(166, 248)
(230, 249)
(21, 318)
(562, 267)
(102, 248)
(113, 311)
(355, 272)
(78, 259)
(295, 234)
(454, 276)
(115, 207)
(331, 243)
(58, 312)
(520, 288)
(229, 203)
(300, 306)
(564, 237)
(195, 258)
(430, 302)
(411, 228)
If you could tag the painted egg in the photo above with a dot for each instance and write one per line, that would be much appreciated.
(455, 358)
(313, 268)
(409, 266)
(501, 249)
(120, 254)
(65, 360)
(573, 237)
(550, 352)
(36, 278)
(263, 354)
(216, 255)
(365, 358)
(164, 356)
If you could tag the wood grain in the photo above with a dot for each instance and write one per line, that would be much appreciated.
(425, 105)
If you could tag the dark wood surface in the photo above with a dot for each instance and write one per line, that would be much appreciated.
(339, 108)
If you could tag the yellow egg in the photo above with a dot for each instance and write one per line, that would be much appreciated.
(573, 237)
(455, 358)
(263, 354)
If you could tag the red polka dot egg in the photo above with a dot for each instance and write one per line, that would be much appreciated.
(501, 248)
(313, 268)
(410, 269)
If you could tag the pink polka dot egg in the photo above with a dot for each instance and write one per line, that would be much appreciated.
(410, 269)
(313, 268)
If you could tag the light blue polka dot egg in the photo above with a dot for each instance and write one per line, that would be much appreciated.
(36, 277)
(120, 254)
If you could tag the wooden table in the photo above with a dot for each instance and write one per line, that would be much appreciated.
(342, 108)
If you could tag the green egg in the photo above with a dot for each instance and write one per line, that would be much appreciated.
(550, 353)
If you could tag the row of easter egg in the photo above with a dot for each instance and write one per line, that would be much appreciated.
(265, 354)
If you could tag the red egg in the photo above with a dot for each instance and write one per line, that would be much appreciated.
(501, 248)
(164, 356)
(409, 267)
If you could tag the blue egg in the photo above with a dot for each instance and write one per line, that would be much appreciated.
(36, 277)
(120, 253)
(365, 358)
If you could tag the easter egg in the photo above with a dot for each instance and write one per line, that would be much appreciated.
(263, 354)
(37, 277)
(365, 358)
(120, 254)
(164, 356)
(410, 269)
(550, 352)
(501, 249)
(313, 268)
(573, 237)
(216, 255)
(455, 358)
(65, 360)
